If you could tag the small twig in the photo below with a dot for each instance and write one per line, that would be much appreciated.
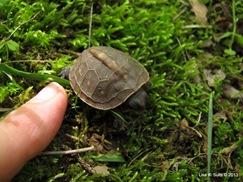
(75, 151)
(184, 2)
(233, 147)
(34, 60)
(21, 24)
(140, 153)
(196, 26)
(180, 13)
(90, 23)
(72, 52)
(74, 138)
(234, 25)
(85, 165)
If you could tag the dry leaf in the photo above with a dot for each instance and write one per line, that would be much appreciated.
(165, 165)
(187, 129)
(212, 76)
(221, 115)
(232, 93)
(200, 11)
(101, 170)
(184, 125)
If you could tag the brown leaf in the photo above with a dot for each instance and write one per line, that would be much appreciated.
(232, 93)
(221, 115)
(101, 170)
(200, 11)
(212, 76)
(165, 165)
(184, 126)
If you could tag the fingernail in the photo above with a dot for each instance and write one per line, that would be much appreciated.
(47, 93)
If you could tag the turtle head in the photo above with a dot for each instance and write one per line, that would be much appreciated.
(138, 100)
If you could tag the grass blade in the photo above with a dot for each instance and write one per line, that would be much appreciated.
(210, 128)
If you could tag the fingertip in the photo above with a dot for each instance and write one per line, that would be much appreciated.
(48, 92)
(30, 128)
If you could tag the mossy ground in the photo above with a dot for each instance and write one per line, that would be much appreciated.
(168, 141)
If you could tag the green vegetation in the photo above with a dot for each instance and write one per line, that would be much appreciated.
(168, 141)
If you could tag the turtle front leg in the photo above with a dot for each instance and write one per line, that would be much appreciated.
(65, 72)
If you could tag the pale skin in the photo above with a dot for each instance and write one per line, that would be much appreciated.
(28, 130)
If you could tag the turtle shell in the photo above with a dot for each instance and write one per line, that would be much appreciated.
(104, 77)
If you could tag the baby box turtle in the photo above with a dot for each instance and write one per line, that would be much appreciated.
(104, 78)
